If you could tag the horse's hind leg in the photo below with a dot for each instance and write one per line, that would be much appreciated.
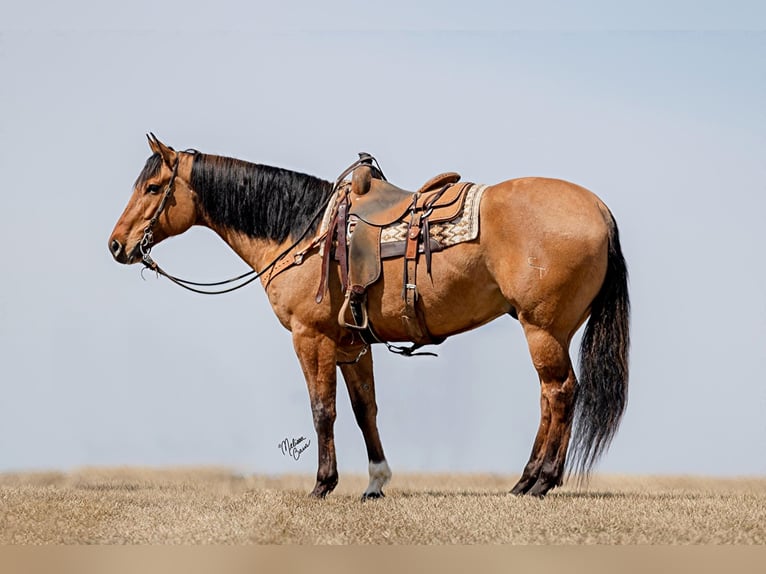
(361, 389)
(550, 356)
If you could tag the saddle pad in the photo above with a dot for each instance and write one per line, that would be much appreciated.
(464, 227)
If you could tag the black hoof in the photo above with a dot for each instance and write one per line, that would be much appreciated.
(523, 486)
(372, 496)
(540, 488)
(322, 489)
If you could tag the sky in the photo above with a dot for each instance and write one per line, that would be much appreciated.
(658, 107)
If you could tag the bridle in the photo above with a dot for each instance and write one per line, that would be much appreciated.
(147, 240)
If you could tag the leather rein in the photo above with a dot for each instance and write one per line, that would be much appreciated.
(147, 240)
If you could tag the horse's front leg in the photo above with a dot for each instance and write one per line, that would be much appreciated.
(316, 353)
(361, 389)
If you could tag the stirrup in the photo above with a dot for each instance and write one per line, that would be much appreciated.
(358, 313)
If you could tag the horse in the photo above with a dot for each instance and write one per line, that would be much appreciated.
(547, 253)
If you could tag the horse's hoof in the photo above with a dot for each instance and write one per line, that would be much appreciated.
(540, 489)
(372, 496)
(324, 487)
(522, 487)
(321, 491)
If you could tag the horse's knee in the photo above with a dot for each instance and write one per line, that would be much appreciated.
(324, 414)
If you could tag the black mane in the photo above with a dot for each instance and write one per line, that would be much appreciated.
(258, 200)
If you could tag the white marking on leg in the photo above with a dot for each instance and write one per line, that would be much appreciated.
(380, 474)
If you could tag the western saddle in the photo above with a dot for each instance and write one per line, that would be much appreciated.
(363, 208)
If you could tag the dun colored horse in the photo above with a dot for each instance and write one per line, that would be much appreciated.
(547, 253)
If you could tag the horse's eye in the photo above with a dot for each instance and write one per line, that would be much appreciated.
(152, 188)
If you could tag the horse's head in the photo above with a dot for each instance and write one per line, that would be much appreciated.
(162, 205)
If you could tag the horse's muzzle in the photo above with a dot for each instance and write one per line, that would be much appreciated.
(117, 250)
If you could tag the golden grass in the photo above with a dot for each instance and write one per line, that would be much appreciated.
(202, 506)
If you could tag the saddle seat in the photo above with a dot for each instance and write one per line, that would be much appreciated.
(380, 203)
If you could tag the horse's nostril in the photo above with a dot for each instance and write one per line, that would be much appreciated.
(115, 246)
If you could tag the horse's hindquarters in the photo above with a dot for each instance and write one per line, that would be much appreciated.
(545, 244)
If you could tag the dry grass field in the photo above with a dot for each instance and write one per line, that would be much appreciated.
(212, 506)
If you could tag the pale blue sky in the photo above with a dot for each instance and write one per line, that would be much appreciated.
(656, 107)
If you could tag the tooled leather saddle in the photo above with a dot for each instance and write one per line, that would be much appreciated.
(363, 209)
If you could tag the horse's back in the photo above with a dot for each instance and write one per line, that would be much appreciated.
(547, 206)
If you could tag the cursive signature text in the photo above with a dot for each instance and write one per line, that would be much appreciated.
(294, 447)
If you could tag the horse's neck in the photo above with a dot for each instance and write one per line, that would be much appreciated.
(256, 234)
(256, 252)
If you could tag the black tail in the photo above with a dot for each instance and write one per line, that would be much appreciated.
(602, 391)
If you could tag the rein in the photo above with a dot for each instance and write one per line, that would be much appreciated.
(147, 241)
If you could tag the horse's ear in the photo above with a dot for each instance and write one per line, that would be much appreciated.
(153, 142)
(167, 153)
